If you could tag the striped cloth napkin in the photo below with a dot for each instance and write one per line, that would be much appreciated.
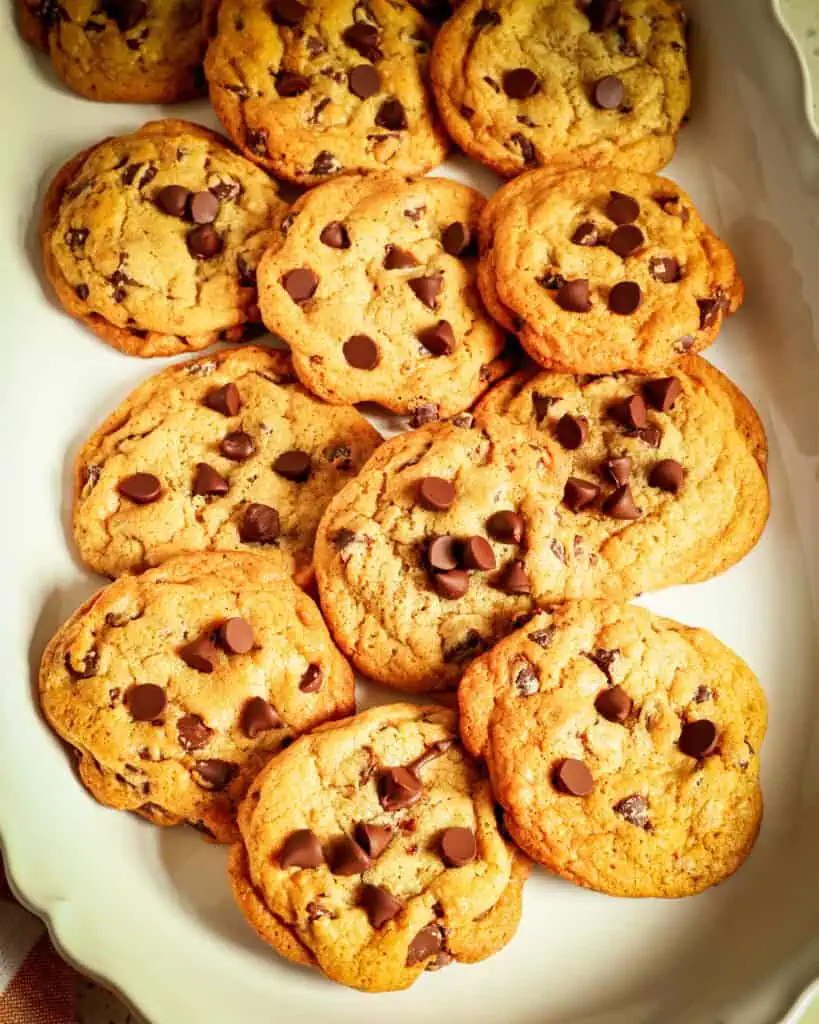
(36, 985)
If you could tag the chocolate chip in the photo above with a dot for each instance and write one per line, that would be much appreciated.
(364, 39)
(391, 115)
(399, 788)
(586, 234)
(288, 12)
(603, 14)
(667, 475)
(214, 774)
(620, 504)
(207, 481)
(311, 680)
(662, 393)
(342, 539)
(572, 431)
(709, 312)
(325, 163)
(428, 942)
(520, 83)
(614, 704)
(439, 340)
(456, 238)
(141, 488)
(300, 284)
(622, 209)
(699, 739)
(631, 412)
(373, 839)
(634, 809)
(505, 526)
(543, 637)
(260, 524)
(145, 702)
(458, 847)
(478, 554)
(603, 659)
(258, 716)
(452, 585)
(436, 493)
(335, 235)
(703, 694)
(664, 268)
(486, 19)
(608, 92)
(364, 81)
(423, 414)
(225, 400)
(442, 554)
(527, 149)
(361, 352)
(236, 636)
(573, 777)
(301, 849)
(684, 344)
(573, 296)
(192, 732)
(293, 465)
(289, 84)
(173, 200)
(204, 242)
(577, 493)
(472, 644)
(237, 446)
(381, 906)
(348, 858)
(82, 292)
(625, 298)
(514, 579)
(526, 680)
(200, 655)
(651, 435)
(126, 13)
(256, 139)
(427, 289)
(204, 207)
(626, 240)
(398, 259)
(618, 470)
(315, 46)
(226, 191)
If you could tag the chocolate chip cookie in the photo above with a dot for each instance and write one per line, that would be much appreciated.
(226, 452)
(174, 688)
(152, 239)
(312, 90)
(373, 284)
(623, 747)
(602, 271)
(370, 850)
(135, 51)
(667, 480)
(563, 84)
(439, 546)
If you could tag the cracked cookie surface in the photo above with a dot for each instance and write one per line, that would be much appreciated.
(667, 484)
(522, 84)
(373, 285)
(171, 705)
(605, 270)
(194, 456)
(152, 240)
(623, 747)
(311, 90)
(134, 51)
(395, 588)
(370, 849)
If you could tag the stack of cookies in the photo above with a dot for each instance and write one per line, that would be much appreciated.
(262, 539)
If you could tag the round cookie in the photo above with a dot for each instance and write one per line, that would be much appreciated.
(400, 594)
(373, 286)
(152, 239)
(226, 452)
(311, 90)
(370, 849)
(667, 483)
(603, 271)
(623, 747)
(134, 51)
(562, 85)
(174, 688)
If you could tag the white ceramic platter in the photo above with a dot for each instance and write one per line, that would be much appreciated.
(149, 910)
